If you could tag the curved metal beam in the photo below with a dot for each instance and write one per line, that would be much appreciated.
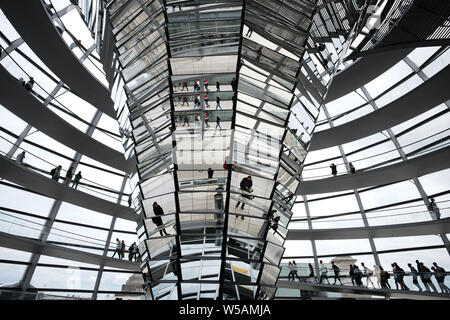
(419, 166)
(20, 102)
(11, 241)
(18, 174)
(402, 45)
(362, 71)
(385, 231)
(32, 22)
(423, 98)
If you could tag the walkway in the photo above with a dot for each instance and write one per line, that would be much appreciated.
(19, 101)
(362, 290)
(385, 231)
(35, 27)
(11, 241)
(421, 99)
(15, 173)
(417, 24)
(415, 167)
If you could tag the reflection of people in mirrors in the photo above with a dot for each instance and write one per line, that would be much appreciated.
(210, 173)
(258, 53)
(185, 121)
(227, 164)
(158, 211)
(289, 197)
(274, 225)
(246, 185)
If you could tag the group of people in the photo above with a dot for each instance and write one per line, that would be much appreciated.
(356, 274)
(197, 85)
(28, 85)
(334, 169)
(133, 252)
(56, 174)
(197, 88)
(183, 120)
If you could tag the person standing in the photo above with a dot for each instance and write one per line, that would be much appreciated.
(367, 274)
(291, 273)
(218, 103)
(420, 271)
(131, 252)
(55, 172)
(401, 277)
(434, 209)
(352, 168)
(20, 158)
(118, 246)
(358, 276)
(196, 102)
(294, 269)
(29, 84)
(197, 122)
(217, 86)
(336, 270)
(218, 126)
(439, 274)
(185, 120)
(210, 173)
(377, 272)
(69, 174)
(196, 86)
(414, 275)
(246, 185)
(77, 179)
(351, 274)
(136, 252)
(384, 279)
(323, 272)
(311, 271)
(396, 276)
(425, 275)
(122, 249)
(206, 84)
(300, 138)
(158, 211)
(274, 225)
(333, 169)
